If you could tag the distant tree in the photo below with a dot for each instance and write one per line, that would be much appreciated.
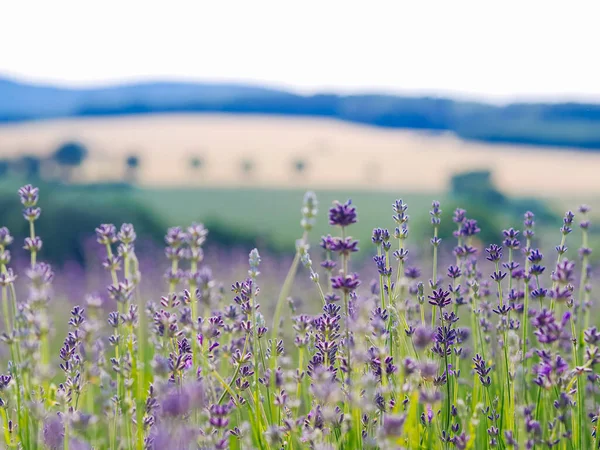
(196, 162)
(4, 167)
(478, 186)
(70, 156)
(299, 165)
(247, 166)
(132, 163)
(29, 166)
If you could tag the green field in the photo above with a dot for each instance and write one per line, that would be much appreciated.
(267, 218)
(274, 214)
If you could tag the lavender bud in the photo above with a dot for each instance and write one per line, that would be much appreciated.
(175, 237)
(459, 215)
(29, 195)
(196, 234)
(4, 257)
(400, 208)
(309, 211)
(33, 245)
(5, 237)
(422, 337)
(7, 278)
(494, 253)
(393, 425)
(106, 234)
(342, 215)
(54, 433)
(469, 228)
(31, 214)
(127, 234)
(377, 236)
(254, 262)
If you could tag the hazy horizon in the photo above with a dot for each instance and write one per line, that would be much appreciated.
(534, 51)
(450, 95)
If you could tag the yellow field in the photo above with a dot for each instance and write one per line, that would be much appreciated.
(336, 154)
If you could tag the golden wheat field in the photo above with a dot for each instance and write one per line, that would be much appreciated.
(266, 151)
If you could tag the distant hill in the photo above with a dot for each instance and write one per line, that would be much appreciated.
(561, 125)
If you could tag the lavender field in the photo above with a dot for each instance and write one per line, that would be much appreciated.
(445, 344)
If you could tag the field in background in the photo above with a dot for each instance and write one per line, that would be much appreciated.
(275, 214)
(279, 152)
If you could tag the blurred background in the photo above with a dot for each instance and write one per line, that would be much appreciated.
(226, 112)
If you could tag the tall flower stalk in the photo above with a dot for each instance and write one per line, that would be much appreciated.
(436, 214)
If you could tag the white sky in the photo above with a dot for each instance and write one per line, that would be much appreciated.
(497, 51)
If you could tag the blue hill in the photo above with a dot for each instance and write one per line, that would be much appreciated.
(565, 124)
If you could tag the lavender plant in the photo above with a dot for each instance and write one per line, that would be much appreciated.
(497, 353)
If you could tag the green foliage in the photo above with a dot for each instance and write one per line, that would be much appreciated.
(133, 161)
(272, 214)
(494, 211)
(477, 186)
(28, 166)
(247, 166)
(4, 167)
(70, 154)
(196, 162)
(299, 165)
(394, 389)
(226, 234)
(71, 215)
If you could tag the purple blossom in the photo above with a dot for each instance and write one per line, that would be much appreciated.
(469, 228)
(106, 234)
(342, 214)
(29, 195)
(344, 246)
(494, 253)
(346, 283)
(440, 298)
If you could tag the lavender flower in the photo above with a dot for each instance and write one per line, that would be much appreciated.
(106, 234)
(440, 298)
(494, 253)
(342, 214)
(469, 228)
(197, 369)
(29, 195)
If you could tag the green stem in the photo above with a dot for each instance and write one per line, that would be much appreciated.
(508, 416)
(434, 275)
(525, 318)
(346, 310)
(448, 397)
(255, 351)
(562, 243)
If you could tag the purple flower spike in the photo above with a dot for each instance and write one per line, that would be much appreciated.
(54, 431)
(564, 273)
(218, 415)
(494, 253)
(344, 246)
(393, 425)
(469, 228)
(34, 244)
(459, 215)
(5, 237)
(440, 298)
(346, 283)
(106, 234)
(342, 214)
(29, 195)
(423, 337)
(436, 213)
